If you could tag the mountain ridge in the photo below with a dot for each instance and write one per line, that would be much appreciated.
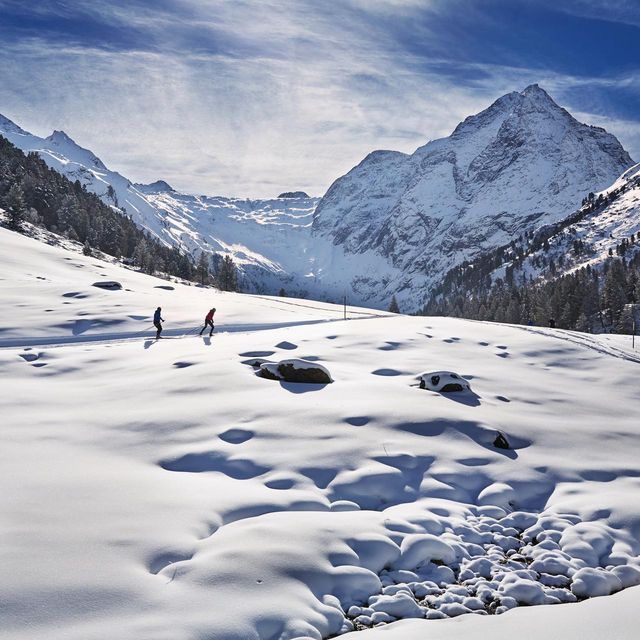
(395, 223)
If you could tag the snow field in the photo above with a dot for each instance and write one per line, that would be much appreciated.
(162, 490)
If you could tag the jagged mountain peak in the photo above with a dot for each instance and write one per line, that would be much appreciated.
(536, 90)
(60, 136)
(516, 105)
(159, 186)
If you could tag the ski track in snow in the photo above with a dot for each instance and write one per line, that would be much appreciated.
(171, 493)
(174, 333)
(589, 342)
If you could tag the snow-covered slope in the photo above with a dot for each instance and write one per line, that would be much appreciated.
(593, 234)
(161, 490)
(521, 163)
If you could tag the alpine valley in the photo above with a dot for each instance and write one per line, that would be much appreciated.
(396, 223)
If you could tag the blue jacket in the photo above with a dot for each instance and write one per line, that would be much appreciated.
(156, 316)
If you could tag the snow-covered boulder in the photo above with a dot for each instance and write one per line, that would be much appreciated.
(523, 590)
(296, 370)
(628, 575)
(443, 381)
(398, 605)
(498, 494)
(269, 370)
(110, 285)
(421, 548)
(592, 582)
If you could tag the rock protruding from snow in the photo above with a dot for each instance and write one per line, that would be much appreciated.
(501, 441)
(443, 381)
(110, 285)
(296, 370)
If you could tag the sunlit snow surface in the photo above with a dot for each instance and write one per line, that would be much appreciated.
(162, 490)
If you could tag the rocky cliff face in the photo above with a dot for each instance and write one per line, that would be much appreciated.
(522, 162)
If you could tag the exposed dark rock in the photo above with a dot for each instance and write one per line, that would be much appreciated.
(111, 285)
(295, 370)
(316, 375)
(501, 441)
(293, 194)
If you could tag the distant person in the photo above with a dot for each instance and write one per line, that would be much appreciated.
(157, 321)
(552, 323)
(208, 322)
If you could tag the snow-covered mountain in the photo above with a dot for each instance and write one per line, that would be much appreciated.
(520, 163)
(268, 238)
(396, 223)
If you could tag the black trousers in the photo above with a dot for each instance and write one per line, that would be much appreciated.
(158, 326)
(208, 323)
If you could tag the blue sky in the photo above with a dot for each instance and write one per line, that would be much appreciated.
(250, 98)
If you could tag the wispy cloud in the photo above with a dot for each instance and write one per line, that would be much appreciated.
(251, 98)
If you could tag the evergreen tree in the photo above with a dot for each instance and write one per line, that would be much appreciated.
(625, 322)
(202, 269)
(583, 324)
(614, 296)
(227, 274)
(16, 207)
(393, 305)
(140, 254)
(67, 213)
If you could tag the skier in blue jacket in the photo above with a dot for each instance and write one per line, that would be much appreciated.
(157, 321)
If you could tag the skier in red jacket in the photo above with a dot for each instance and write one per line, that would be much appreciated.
(208, 322)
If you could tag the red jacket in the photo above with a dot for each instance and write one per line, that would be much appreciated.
(209, 317)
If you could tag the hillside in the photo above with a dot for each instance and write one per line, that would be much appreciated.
(160, 489)
(582, 270)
